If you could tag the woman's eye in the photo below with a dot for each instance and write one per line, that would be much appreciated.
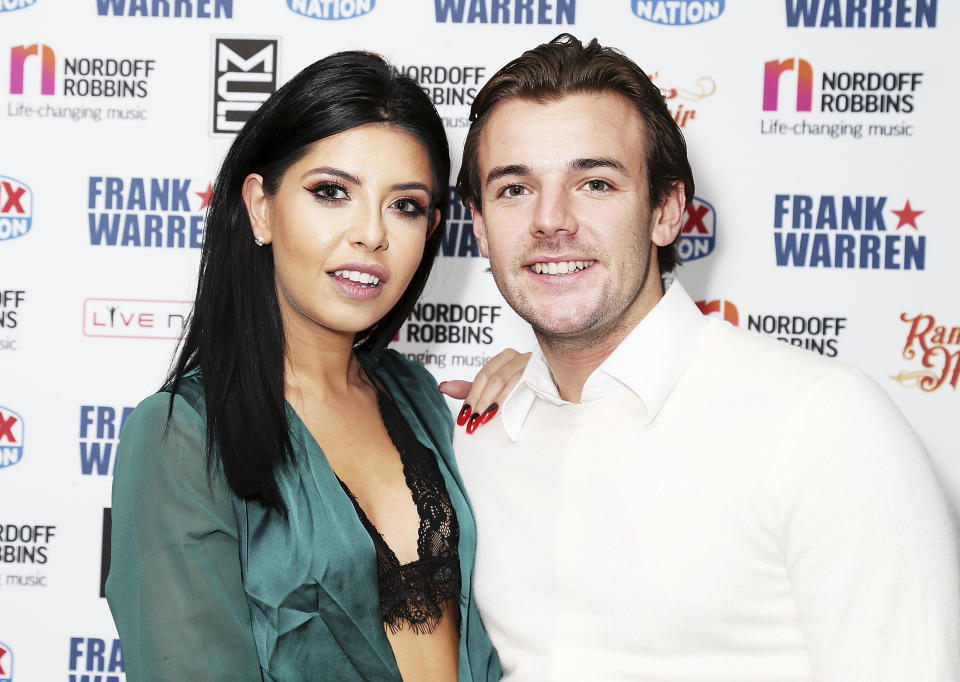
(328, 191)
(597, 185)
(409, 206)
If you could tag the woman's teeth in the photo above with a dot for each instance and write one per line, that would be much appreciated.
(562, 268)
(359, 277)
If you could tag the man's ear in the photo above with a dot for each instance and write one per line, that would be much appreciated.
(434, 222)
(668, 216)
(258, 207)
(480, 230)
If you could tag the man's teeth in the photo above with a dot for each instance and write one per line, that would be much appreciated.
(359, 277)
(562, 268)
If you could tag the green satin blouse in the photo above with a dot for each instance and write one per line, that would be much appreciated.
(206, 586)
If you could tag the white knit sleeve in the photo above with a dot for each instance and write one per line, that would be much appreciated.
(870, 543)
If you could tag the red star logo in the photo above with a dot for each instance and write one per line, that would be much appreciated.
(907, 216)
(3, 652)
(207, 194)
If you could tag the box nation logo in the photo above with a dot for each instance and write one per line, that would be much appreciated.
(11, 437)
(16, 208)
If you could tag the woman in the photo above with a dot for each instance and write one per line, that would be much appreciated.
(288, 505)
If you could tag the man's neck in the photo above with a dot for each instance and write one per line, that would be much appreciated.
(573, 359)
(572, 363)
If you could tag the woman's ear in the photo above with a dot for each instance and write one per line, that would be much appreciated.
(258, 207)
(434, 222)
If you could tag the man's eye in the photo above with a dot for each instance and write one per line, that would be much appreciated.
(514, 190)
(597, 185)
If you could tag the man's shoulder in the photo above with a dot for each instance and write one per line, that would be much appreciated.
(730, 348)
(749, 363)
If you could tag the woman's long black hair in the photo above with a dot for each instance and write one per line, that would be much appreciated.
(235, 333)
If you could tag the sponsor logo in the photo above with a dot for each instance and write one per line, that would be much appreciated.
(146, 212)
(937, 349)
(12, 6)
(105, 545)
(862, 13)
(725, 310)
(16, 208)
(458, 238)
(847, 232)
(10, 302)
(95, 655)
(851, 93)
(506, 11)
(6, 663)
(450, 323)
(816, 333)
(680, 99)
(33, 72)
(25, 545)
(331, 9)
(130, 318)
(178, 9)
(451, 88)
(244, 76)
(699, 231)
(11, 437)
(677, 12)
(100, 427)
(811, 332)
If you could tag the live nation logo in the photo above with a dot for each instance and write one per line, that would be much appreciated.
(129, 318)
(244, 76)
(936, 347)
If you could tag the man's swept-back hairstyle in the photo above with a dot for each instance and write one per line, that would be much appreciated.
(235, 334)
(563, 67)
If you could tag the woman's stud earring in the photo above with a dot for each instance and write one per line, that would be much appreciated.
(258, 241)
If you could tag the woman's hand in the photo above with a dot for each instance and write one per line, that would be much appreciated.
(490, 387)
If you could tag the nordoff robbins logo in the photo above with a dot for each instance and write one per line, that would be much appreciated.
(331, 9)
(677, 12)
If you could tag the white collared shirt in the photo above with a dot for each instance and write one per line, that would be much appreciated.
(647, 362)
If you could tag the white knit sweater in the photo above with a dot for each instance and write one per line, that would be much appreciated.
(776, 519)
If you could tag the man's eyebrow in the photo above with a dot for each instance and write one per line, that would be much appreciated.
(501, 171)
(336, 172)
(587, 164)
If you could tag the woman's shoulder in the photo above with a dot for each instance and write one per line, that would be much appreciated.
(167, 422)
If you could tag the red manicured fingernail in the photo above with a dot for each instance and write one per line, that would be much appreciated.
(464, 415)
(489, 413)
(474, 422)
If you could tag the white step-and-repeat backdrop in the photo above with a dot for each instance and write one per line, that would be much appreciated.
(824, 142)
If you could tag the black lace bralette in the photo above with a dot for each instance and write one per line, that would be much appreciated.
(417, 592)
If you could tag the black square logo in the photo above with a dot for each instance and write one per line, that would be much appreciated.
(244, 76)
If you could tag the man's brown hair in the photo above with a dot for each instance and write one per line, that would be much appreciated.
(563, 67)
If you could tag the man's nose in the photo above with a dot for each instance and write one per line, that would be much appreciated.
(553, 215)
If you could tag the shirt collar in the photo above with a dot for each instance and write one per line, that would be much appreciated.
(648, 362)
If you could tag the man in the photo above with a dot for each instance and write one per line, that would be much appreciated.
(668, 497)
